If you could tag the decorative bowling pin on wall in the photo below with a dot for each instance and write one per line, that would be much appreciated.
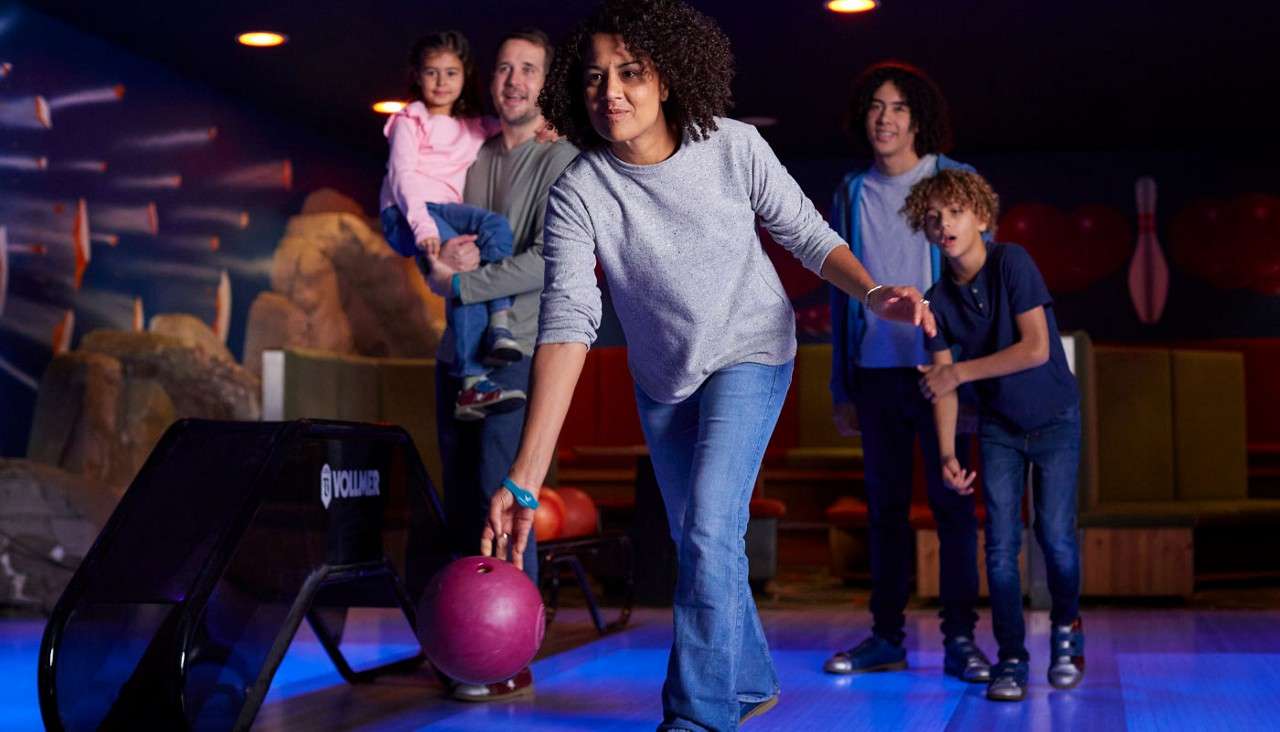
(139, 320)
(63, 330)
(1148, 272)
(222, 308)
(81, 238)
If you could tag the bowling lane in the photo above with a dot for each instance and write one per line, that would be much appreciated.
(1147, 670)
(614, 685)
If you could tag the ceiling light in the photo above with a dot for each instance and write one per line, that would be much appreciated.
(261, 39)
(852, 6)
(388, 107)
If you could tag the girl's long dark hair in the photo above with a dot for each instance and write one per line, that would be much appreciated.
(468, 103)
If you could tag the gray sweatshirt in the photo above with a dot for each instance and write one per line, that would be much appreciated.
(691, 283)
(514, 183)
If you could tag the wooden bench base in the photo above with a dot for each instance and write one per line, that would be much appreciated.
(1142, 562)
(850, 561)
(1114, 562)
(928, 558)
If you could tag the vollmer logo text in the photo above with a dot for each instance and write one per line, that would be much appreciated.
(347, 484)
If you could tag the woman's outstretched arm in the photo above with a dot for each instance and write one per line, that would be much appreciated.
(556, 368)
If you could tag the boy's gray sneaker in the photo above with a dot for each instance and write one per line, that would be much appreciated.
(873, 654)
(965, 661)
(1008, 681)
(1066, 655)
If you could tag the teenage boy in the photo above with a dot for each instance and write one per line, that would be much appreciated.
(992, 306)
(902, 116)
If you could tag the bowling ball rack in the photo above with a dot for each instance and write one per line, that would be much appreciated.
(608, 550)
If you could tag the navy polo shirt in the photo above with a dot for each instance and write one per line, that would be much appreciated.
(979, 318)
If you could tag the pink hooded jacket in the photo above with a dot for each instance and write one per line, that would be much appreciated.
(430, 154)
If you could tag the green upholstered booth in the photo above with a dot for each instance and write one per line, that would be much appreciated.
(299, 383)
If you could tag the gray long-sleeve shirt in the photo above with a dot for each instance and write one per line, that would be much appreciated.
(691, 283)
(514, 183)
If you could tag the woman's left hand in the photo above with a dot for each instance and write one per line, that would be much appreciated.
(904, 304)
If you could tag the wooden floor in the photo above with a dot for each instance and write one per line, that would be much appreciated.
(1148, 669)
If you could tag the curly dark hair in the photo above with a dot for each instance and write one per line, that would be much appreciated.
(953, 187)
(687, 49)
(468, 103)
(928, 107)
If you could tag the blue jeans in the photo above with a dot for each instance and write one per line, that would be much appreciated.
(477, 456)
(1053, 452)
(893, 416)
(494, 239)
(706, 454)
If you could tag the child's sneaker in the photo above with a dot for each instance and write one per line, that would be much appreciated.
(484, 398)
(503, 349)
(1008, 680)
(873, 654)
(1066, 655)
(965, 661)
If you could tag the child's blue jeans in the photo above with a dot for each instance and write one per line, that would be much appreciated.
(495, 241)
(1053, 452)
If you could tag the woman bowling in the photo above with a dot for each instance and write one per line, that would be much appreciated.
(665, 196)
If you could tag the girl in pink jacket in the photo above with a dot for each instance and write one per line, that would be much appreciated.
(433, 142)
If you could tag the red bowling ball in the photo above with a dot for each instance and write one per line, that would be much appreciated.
(580, 515)
(548, 520)
(481, 620)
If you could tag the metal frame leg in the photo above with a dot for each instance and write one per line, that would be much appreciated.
(567, 553)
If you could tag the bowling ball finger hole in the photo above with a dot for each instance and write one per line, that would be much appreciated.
(484, 569)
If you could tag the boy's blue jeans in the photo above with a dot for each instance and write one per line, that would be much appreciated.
(495, 241)
(706, 454)
(894, 416)
(1053, 452)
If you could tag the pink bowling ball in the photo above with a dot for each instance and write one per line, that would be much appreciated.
(481, 620)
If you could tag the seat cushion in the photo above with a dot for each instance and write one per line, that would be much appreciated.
(1135, 419)
(921, 516)
(847, 511)
(1209, 426)
(767, 508)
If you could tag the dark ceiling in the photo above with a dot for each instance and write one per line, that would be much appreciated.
(1021, 75)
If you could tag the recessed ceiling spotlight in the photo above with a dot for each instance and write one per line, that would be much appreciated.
(261, 39)
(388, 106)
(852, 6)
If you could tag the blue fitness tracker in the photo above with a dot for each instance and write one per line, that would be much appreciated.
(523, 497)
